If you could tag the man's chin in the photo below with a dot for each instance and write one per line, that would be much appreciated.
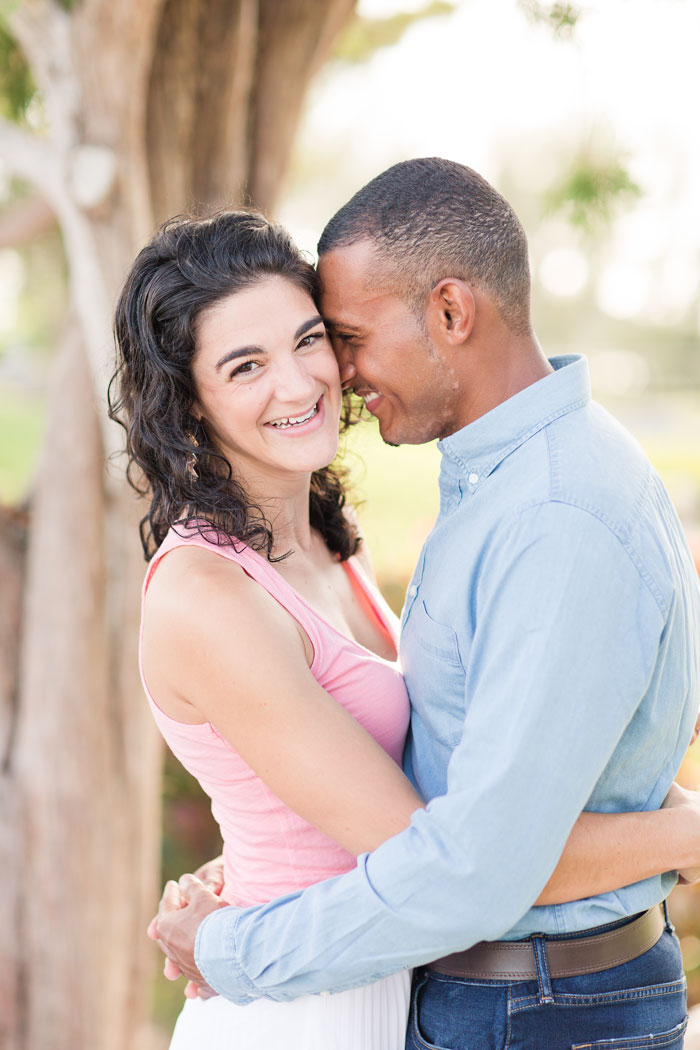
(388, 441)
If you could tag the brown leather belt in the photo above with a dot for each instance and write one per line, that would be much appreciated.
(567, 956)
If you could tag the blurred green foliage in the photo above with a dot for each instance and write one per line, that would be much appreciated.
(17, 87)
(190, 833)
(190, 836)
(562, 19)
(21, 428)
(590, 191)
(363, 36)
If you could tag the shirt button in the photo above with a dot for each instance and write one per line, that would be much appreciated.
(412, 591)
(473, 478)
(325, 993)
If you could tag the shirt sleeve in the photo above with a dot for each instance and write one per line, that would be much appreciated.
(566, 639)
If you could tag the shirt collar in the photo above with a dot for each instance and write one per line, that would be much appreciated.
(478, 448)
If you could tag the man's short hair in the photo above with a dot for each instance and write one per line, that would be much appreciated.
(431, 218)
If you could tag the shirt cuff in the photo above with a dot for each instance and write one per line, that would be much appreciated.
(215, 956)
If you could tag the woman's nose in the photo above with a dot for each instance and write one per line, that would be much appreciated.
(295, 381)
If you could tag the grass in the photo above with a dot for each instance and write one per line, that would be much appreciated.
(398, 494)
(21, 428)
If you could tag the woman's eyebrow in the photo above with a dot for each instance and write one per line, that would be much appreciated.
(240, 351)
(243, 351)
(311, 323)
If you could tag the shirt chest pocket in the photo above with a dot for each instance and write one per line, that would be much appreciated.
(434, 672)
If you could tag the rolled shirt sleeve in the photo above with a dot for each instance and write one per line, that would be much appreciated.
(565, 643)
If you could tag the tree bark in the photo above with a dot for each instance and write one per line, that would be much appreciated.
(153, 106)
(12, 551)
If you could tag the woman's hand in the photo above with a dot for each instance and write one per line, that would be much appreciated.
(212, 875)
(176, 903)
(680, 797)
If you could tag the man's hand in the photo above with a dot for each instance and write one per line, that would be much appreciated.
(680, 796)
(182, 909)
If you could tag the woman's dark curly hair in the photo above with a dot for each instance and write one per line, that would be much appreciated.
(189, 265)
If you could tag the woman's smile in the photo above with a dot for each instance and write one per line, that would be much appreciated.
(301, 423)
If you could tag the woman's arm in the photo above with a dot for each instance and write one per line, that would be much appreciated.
(218, 648)
(608, 850)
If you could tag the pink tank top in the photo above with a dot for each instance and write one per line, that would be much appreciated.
(268, 849)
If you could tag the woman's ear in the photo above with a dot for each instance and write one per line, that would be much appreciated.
(450, 311)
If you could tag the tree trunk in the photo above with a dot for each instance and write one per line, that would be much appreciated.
(12, 546)
(153, 105)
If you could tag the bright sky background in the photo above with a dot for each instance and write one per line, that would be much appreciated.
(486, 87)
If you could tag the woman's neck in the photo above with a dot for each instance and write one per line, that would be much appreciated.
(286, 508)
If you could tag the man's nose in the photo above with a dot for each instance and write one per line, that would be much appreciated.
(348, 372)
(343, 355)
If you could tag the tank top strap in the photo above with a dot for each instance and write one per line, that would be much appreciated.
(258, 568)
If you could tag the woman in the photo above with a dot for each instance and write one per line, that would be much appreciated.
(267, 654)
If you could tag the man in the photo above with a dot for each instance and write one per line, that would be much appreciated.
(551, 647)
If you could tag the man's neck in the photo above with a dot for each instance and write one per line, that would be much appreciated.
(496, 373)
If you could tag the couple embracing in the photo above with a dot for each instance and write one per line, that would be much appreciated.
(485, 814)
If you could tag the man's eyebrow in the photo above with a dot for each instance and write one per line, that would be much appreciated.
(245, 351)
(342, 324)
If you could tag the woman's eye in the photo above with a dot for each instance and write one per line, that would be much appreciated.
(246, 369)
(311, 338)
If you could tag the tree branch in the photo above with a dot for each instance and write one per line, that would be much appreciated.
(43, 31)
(294, 38)
(29, 157)
(25, 221)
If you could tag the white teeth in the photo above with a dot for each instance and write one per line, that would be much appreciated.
(293, 421)
(373, 394)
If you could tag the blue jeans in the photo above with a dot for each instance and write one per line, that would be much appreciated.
(637, 1006)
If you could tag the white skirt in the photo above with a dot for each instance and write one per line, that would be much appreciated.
(372, 1017)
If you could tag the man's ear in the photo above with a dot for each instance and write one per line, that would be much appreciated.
(450, 311)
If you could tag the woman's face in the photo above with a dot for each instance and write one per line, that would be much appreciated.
(267, 382)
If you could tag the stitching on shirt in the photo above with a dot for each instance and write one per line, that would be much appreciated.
(593, 512)
(616, 528)
(517, 441)
(552, 462)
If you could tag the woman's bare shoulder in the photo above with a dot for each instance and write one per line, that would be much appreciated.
(191, 573)
(197, 593)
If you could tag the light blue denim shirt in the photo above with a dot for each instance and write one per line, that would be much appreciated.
(551, 647)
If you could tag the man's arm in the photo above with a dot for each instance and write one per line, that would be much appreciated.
(548, 700)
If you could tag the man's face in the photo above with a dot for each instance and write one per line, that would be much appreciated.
(383, 350)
